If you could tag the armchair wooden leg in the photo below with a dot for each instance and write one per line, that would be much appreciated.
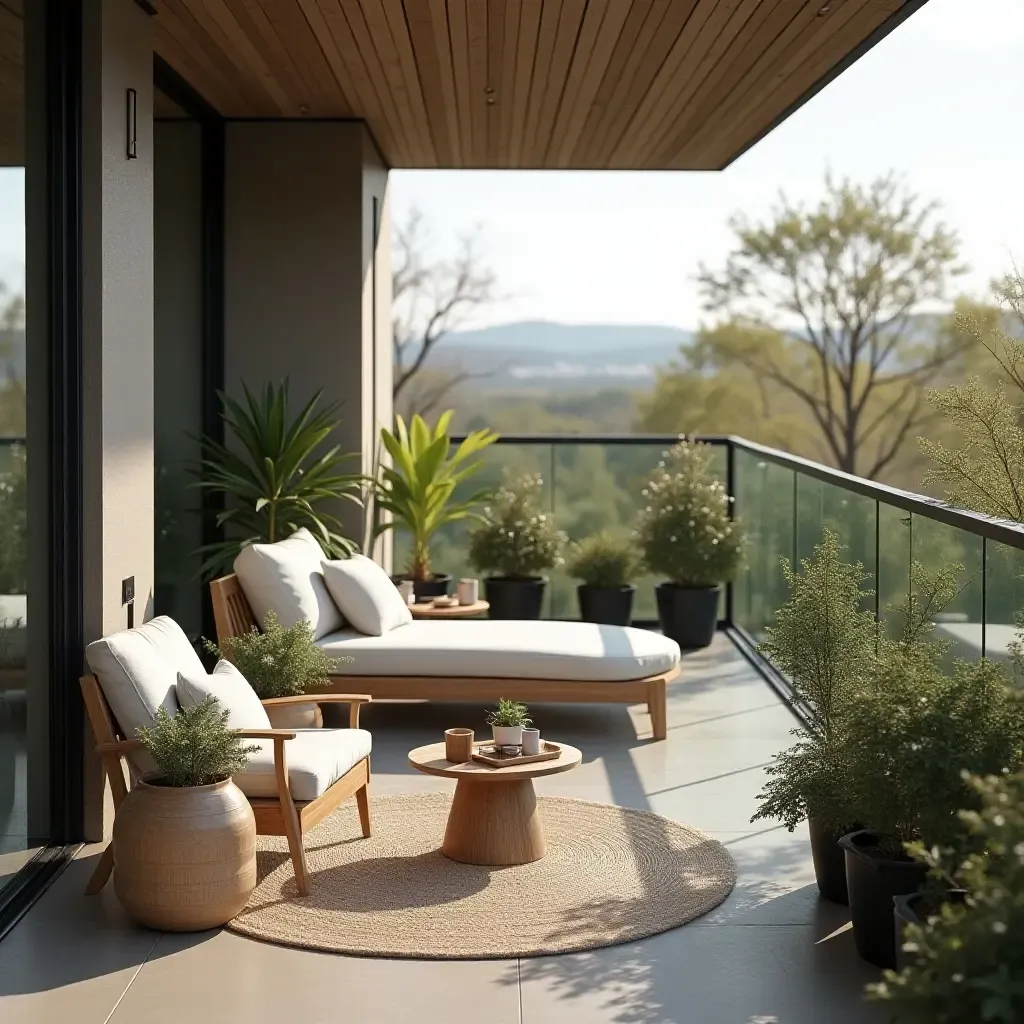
(656, 706)
(292, 823)
(102, 872)
(363, 803)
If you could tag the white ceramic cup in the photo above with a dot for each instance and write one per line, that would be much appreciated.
(469, 591)
(405, 588)
(531, 741)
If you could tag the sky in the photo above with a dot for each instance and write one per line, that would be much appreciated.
(939, 101)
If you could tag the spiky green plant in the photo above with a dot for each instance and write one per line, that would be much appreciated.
(603, 560)
(194, 747)
(275, 476)
(419, 485)
(277, 662)
(509, 714)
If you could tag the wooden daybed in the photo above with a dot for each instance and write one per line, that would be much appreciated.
(233, 616)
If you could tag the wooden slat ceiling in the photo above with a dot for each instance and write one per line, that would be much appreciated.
(631, 84)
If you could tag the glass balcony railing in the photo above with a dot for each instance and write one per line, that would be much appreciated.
(595, 482)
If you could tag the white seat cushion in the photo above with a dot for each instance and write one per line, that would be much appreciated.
(505, 649)
(365, 595)
(317, 758)
(233, 693)
(286, 578)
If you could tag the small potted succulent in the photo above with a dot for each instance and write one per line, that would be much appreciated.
(605, 564)
(507, 722)
(185, 836)
(515, 544)
(280, 662)
(686, 534)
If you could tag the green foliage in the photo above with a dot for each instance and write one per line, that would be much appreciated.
(277, 662)
(195, 747)
(13, 525)
(275, 477)
(967, 962)
(685, 532)
(516, 539)
(603, 560)
(417, 489)
(509, 714)
(825, 643)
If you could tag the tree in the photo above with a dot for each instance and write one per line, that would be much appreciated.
(430, 300)
(842, 282)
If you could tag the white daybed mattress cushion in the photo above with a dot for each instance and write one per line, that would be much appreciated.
(505, 649)
(316, 758)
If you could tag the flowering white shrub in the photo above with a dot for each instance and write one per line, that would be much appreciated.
(684, 530)
(517, 540)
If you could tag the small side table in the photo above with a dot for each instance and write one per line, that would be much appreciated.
(494, 817)
(427, 610)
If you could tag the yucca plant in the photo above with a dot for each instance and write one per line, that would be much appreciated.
(418, 487)
(274, 475)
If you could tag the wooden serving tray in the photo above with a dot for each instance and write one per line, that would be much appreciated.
(548, 752)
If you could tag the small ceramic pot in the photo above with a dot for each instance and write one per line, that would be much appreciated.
(507, 735)
(468, 591)
(531, 741)
(405, 588)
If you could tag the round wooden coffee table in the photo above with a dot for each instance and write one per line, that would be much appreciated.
(426, 610)
(494, 817)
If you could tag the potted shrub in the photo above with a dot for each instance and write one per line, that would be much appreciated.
(275, 476)
(280, 662)
(515, 544)
(507, 722)
(418, 488)
(824, 642)
(604, 564)
(185, 836)
(965, 961)
(915, 733)
(686, 534)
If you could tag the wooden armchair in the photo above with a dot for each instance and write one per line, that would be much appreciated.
(275, 816)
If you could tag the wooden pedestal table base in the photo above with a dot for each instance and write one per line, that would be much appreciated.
(493, 819)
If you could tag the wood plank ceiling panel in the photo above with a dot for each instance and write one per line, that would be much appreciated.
(643, 84)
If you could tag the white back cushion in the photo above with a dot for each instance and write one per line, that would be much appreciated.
(138, 670)
(286, 578)
(233, 693)
(365, 594)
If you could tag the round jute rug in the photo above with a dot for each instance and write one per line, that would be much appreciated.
(611, 875)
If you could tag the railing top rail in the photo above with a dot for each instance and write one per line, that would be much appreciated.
(1001, 530)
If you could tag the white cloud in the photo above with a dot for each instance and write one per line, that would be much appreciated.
(974, 24)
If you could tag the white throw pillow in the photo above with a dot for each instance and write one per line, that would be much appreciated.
(233, 693)
(365, 594)
(286, 578)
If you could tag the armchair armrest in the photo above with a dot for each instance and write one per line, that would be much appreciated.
(119, 747)
(354, 700)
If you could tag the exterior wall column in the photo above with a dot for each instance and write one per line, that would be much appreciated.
(307, 278)
(117, 303)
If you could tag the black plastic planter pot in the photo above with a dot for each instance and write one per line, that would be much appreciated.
(612, 606)
(916, 909)
(427, 590)
(688, 615)
(515, 598)
(873, 881)
(829, 862)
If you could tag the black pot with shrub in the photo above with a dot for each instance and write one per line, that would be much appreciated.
(686, 535)
(605, 564)
(516, 543)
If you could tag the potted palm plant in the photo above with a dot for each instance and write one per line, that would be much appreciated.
(686, 534)
(418, 489)
(275, 476)
(507, 722)
(279, 662)
(185, 836)
(823, 640)
(515, 544)
(605, 564)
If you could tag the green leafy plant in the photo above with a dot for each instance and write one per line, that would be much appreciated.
(509, 714)
(685, 532)
(824, 641)
(195, 747)
(603, 560)
(419, 485)
(13, 525)
(967, 961)
(275, 476)
(277, 662)
(517, 540)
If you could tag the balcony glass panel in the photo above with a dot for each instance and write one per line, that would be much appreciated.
(893, 564)
(1004, 598)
